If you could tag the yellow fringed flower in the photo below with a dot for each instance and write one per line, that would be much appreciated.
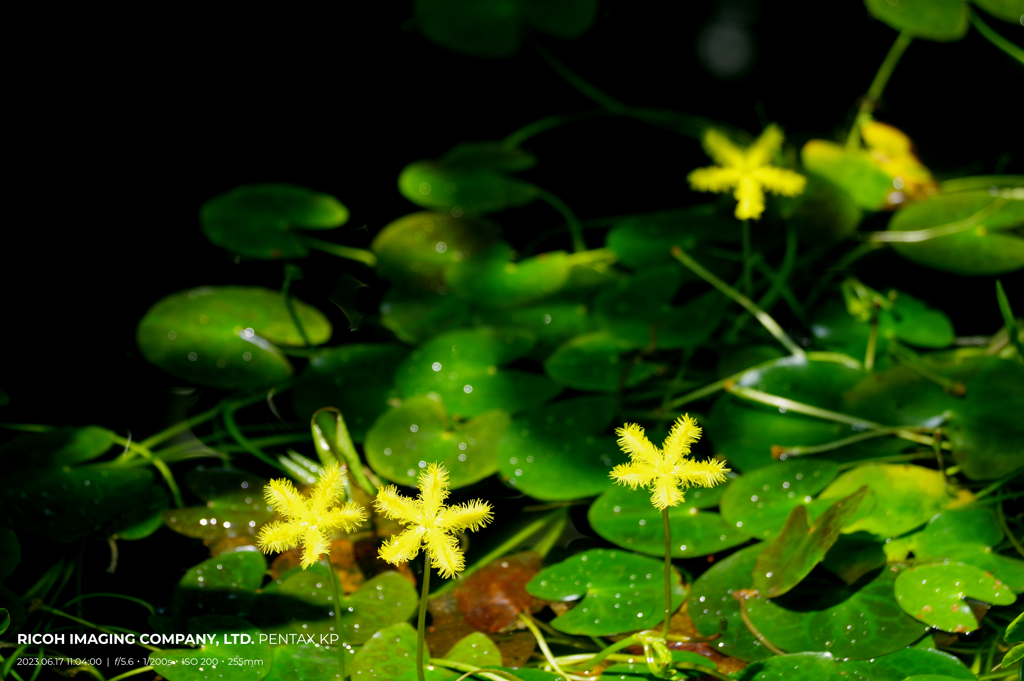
(666, 471)
(431, 524)
(748, 171)
(308, 522)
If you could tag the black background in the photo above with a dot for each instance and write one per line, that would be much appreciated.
(122, 125)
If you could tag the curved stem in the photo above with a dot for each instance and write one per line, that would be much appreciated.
(292, 272)
(742, 595)
(181, 426)
(133, 672)
(247, 445)
(748, 286)
(421, 621)
(157, 462)
(918, 235)
(870, 100)
(668, 572)
(333, 576)
(1006, 528)
(549, 123)
(993, 37)
(528, 621)
(86, 623)
(578, 245)
(348, 252)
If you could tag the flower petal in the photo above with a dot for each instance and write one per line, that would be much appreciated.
(327, 489)
(347, 517)
(444, 552)
(433, 484)
(721, 149)
(764, 147)
(713, 179)
(315, 543)
(286, 500)
(684, 433)
(780, 181)
(633, 441)
(634, 474)
(403, 547)
(751, 199)
(469, 516)
(666, 493)
(394, 506)
(276, 537)
(701, 473)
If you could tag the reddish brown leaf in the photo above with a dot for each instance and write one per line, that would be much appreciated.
(492, 598)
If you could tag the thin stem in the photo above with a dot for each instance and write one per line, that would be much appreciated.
(766, 320)
(333, 576)
(528, 621)
(472, 670)
(1006, 529)
(824, 280)
(1008, 319)
(912, 361)
(997, 484)
(742, 596)
(870, 100)
(578, 245)
(7, 664)
(157, 462)
(247, 445)
(592, 660)
(869, 354)
(668, 572)
(133, 672)
(86, 623)
(421, 621)
(181, 426)
(349, 253)
(918, 235)
(897, 458)
(778, 285)
(781, 452)
(993, 37)
(748, 286)
(293, 272)
(549, 123)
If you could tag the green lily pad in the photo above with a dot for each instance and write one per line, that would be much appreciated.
(823, 212)
(553, 321)
(902, 664)
(594, 361)
(354, 378)
(144, 528)
(10, 552)
(941, 20)
(229, 658)
(223, 585)
(626, 518)
(494, 28)
(414, 315)
(415, 249)
(859, 621)
(391, 654)
(304, 599)
(305, 661)
(405, 439)
(988, 248)
(968, 535)
(934, 594)
(550, 444)
(801, 545)
(1007, 10)
(901, 497)
(60, 447)
(262, 220)
(758, 503)
(855, 555)
(620, 592)
(470, 178)
(234, 505)
(224, 337)
(795, 667)
(639, 311)
(475, 649)
(492, 279)
(853, 171)
(643, 240)
(635, 671)
(463, 368)
(714, 610)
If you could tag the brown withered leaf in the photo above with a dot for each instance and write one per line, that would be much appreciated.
(681, 624)
(221, 545)
(492, 597)
(343, 560)
(448, 626)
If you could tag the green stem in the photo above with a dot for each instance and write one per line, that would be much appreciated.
(472, 670)
(349, 253)
(668, 572)
(1008, 319)
(59, 613)
(766, 320)
(528, 621)
(869, 354)
(896, 458)
(247, 445)
(592, 660)
(578, 245)
(6, 666)
(269, 441)
(912, 361)
(293, 272)
(1006, 529)
(333, 576)
(823, 281)
(138, 670)
(998, 483)
(918, 235)
(782, 452)
(742, 598)
(748, 286)
(421, 621)
(778, 285)
(549, 123)
(182, 426)
(996, 39)
(870, 100)
(157, 462)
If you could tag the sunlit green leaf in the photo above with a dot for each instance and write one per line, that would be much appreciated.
(902, 664)
(263, 220)
(475, 649)
(414, 315)
(795, 667)
(594, 361)
(213, 661)
(222, 585)
(234, 505)
(934, 594)
(941, 20)
(406, 439)
(553, 320)
(391, 654)
(492, 279)
(853, 171)
(305, 662)
(1015, 631)
(1007, 10)
(620, 592)
(969, 535)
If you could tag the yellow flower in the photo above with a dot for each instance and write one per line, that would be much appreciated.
(666, 471)
(308, 522)
(431, 523)
(748, 171)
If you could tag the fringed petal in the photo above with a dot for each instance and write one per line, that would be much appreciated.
(764, 147)
(633, 441)
(347, 517)
(394, 506)
(276, 537)
(721, 149)
(684, 433)
(433, 484)
(315, 543)
(702, 473)
(286, 500)
(634, 474)
(666, 493)
(327, 490)
(469, 516)
(780, 181)
(750, 199)
(444, 552)
(403, 547)
(713, 179)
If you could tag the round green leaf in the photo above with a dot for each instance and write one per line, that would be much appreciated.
(620, 592)
(144, 528)
(490, 278)
(550, 444)
(354, 378)
(941, 20)
(301, 661)
(553, 321)
(714, 610)
(594, 361)
(988, 248)
(1007, 10)
(934, 594)
(758, 503)
(391, 654)
(901, 664)
(233, 658)
(823, 212)
(626, 518)
(853, 171)
(56, 448)
(223, 585)
(405, 439)
(859, 621)
(462, 367)
(969, 535)
(305, 600)
(234, 505)
(224, 337)
(415, 249)
(475, 649)
(414, 315)
(10, 553)
(262, 220)
(910, 321)
(643, 240)
(795, 667)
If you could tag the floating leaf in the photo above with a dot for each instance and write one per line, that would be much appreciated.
(547, 445)
(305, 662)
(234, 505)
(990, 247)
(60, 447)
(801, 545)
(553, 321)
(855, 555)
(854, 171)
(621, 592)
(462, 367)
(758, 502)
(224, 337)
(643, 240)
(941, 20)
(934, 594)
(626, 518)
(475, 649)
(594, 362)
(390, 653)
(492, 597)
(968, 535)
(229, 658)
(471, 178)
(795, 667)
(859, 621)
(491, 278)
(10, 553)
(354, 378)
(823, 212)
(415, 315)
(1007, 10)
(902, 664)
(404, 440)
(144, 528)
(222, 585)
(262, 220)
